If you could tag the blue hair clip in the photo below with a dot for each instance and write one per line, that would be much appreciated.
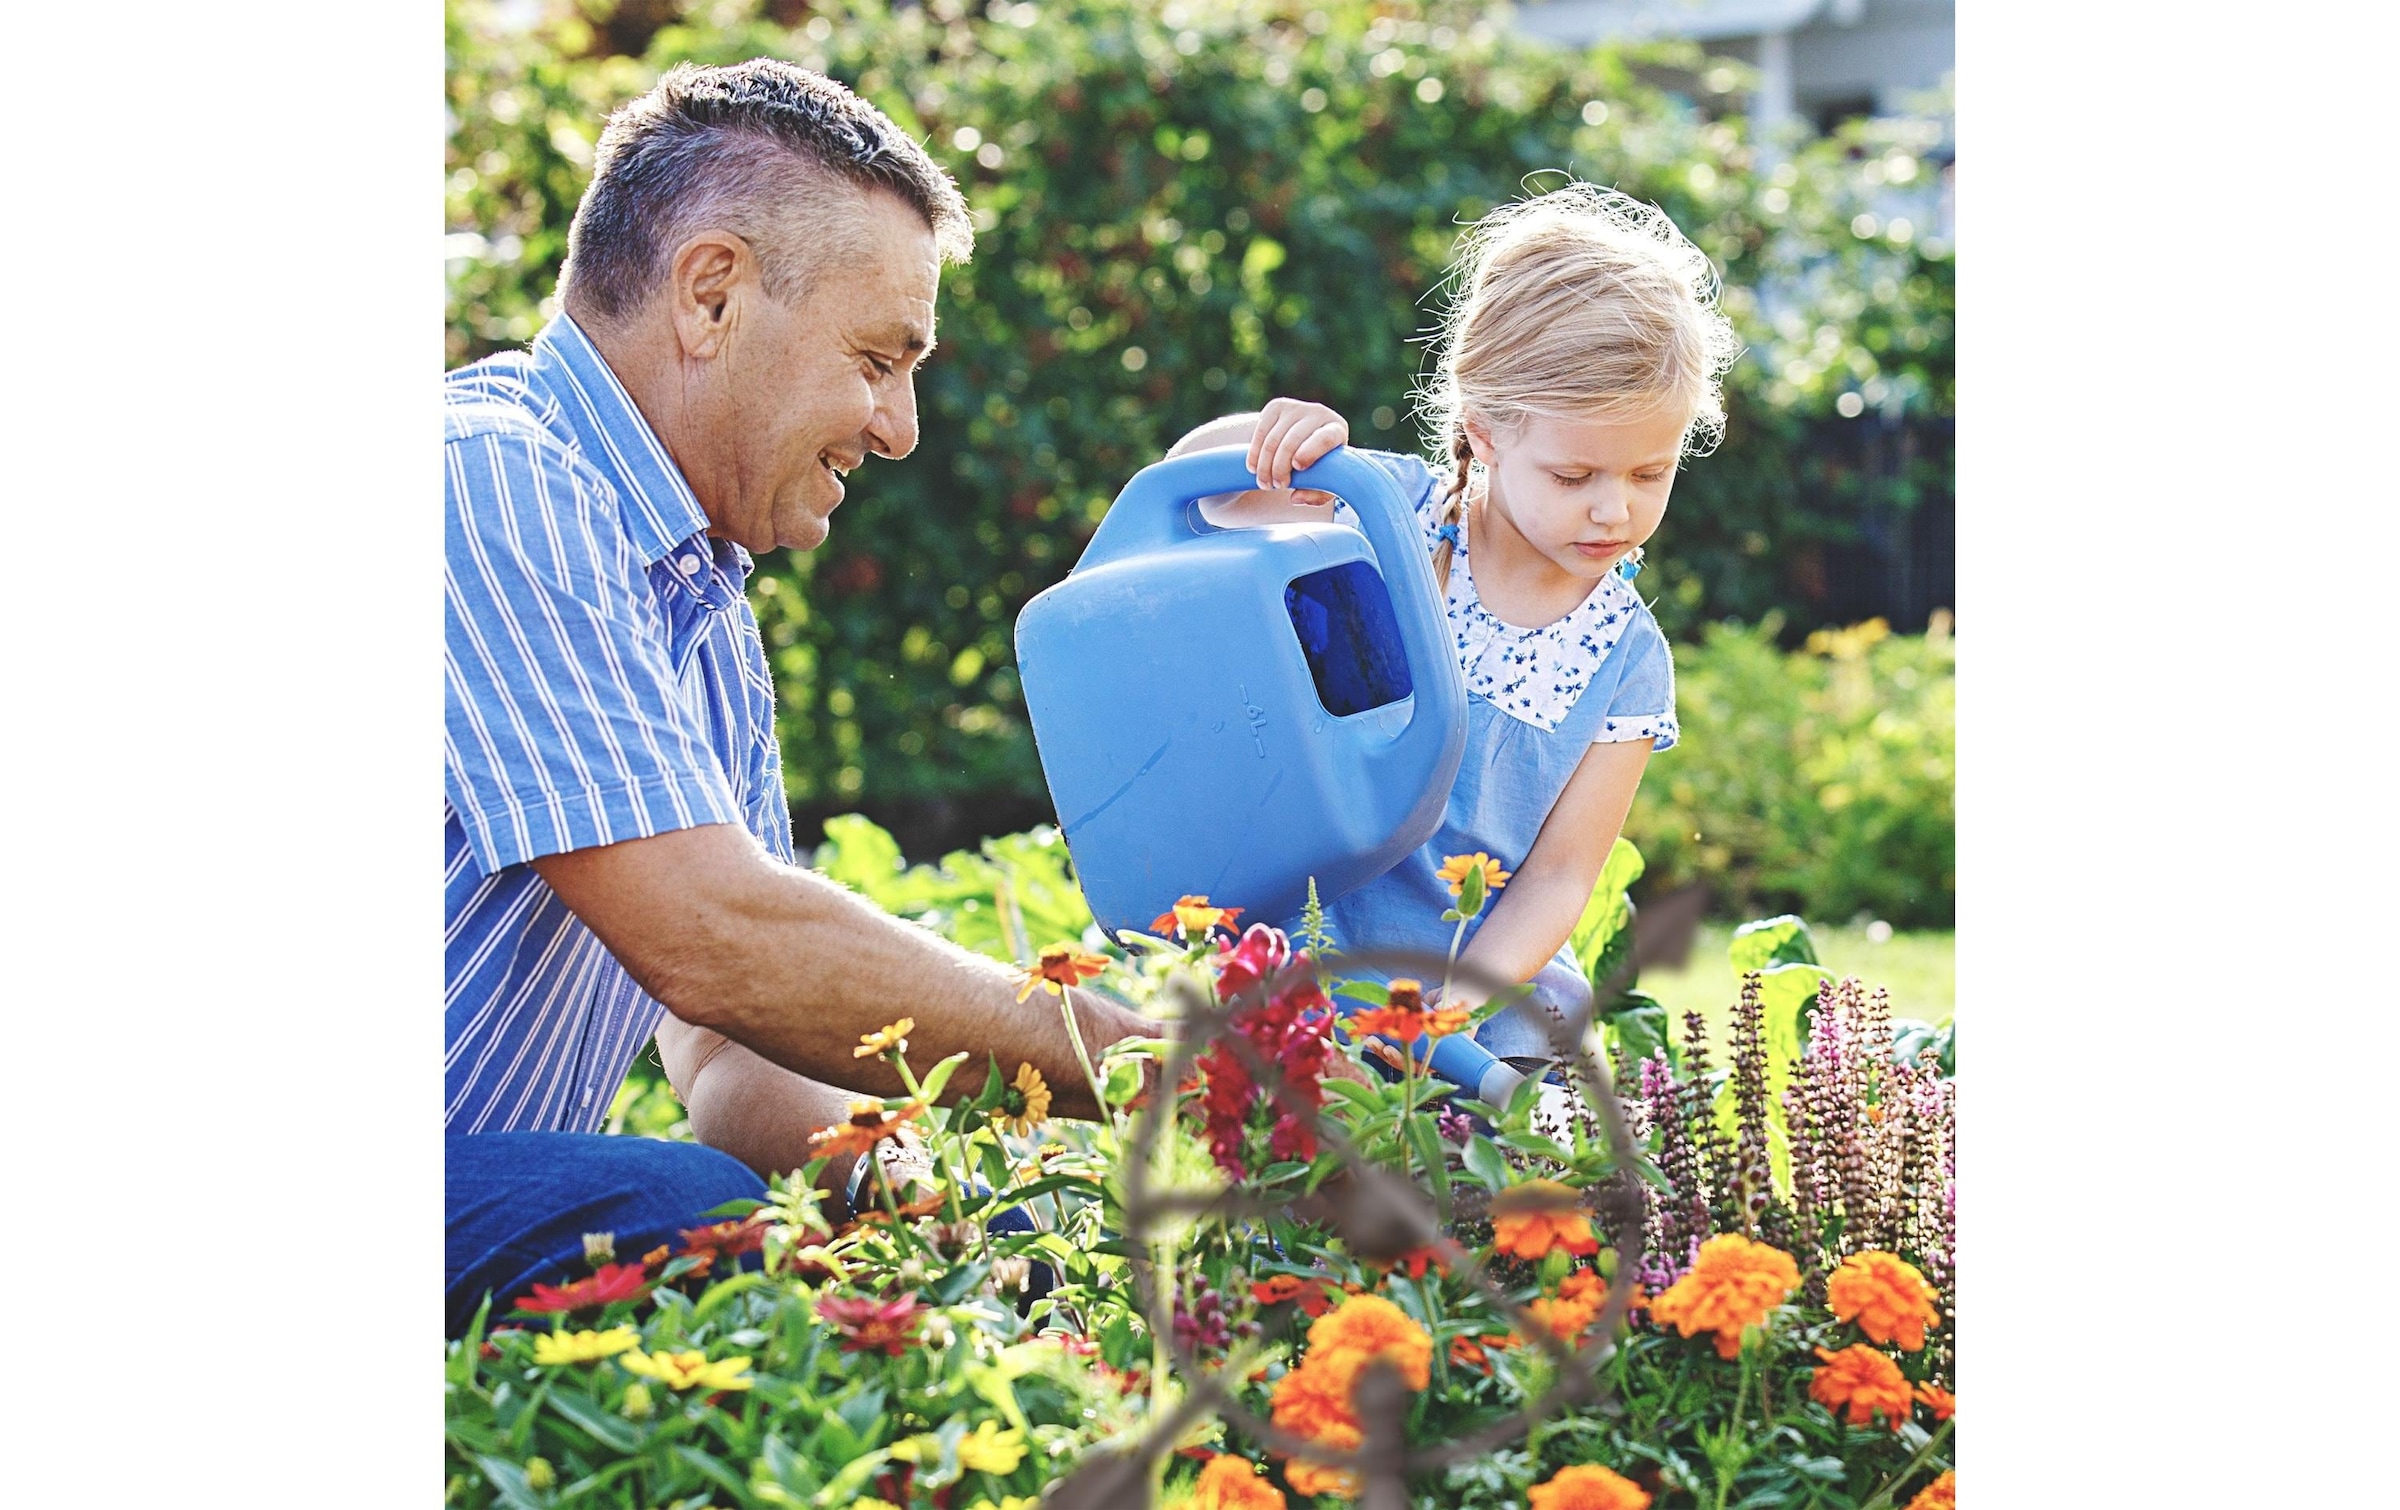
(1448, 532)
(1631, 566)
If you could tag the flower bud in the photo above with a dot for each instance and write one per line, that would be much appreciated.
(599, 1248)
(539, 1474)
(637, 1402)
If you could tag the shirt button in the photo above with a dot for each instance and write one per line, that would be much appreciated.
(687, 564)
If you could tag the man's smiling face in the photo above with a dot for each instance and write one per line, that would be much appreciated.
(810, 391)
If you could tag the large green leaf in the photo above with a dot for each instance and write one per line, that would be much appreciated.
(1635, 1024)
(1607, 914)
(1771, 941)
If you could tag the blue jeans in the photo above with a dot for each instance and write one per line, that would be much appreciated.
(517, 1206)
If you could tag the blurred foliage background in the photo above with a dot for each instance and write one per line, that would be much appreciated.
(1185, 209)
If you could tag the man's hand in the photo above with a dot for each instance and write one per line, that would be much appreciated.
(1292, 434)
(797, 968)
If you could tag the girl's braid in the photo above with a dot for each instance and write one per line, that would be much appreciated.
(1454, 505)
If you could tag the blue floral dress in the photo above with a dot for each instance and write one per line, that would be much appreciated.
(1537, 699)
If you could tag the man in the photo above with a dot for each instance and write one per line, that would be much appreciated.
(749, 289)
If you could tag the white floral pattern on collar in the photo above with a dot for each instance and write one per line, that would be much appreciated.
(1536, 674)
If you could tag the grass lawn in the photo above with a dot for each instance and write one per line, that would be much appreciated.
(1915, 967)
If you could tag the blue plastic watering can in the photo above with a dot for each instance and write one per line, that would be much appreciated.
(1230, 712)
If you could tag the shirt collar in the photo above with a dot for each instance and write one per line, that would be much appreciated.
(661, 511)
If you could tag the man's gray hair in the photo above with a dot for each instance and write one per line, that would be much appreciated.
(778, 155)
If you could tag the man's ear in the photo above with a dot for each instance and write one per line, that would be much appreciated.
(707, 280)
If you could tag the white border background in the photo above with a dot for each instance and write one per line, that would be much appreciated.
(2174, 548)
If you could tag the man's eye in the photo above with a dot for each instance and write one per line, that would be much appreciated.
(882, 367)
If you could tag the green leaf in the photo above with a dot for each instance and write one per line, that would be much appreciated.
(1374, 993)
(1372, 1098)
(1484, 1162)
(994, 1087)
(1430, 1152)
(935, 1083)
(1601, 935)
(1637, 1024)
(1911, 1038)
(509, 1479)
(1537, 1145)
(711, 1467)
(605, 1426)
(1124, 1082)
(1470, 893)
(740, 1205)
(1771, 941)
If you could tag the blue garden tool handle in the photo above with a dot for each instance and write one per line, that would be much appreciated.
(1157, 511)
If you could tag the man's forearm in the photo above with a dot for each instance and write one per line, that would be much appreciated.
(796, 967)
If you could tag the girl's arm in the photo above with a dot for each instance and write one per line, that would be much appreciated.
(1536, 910)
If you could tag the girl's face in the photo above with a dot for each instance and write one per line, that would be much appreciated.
(1583, 493)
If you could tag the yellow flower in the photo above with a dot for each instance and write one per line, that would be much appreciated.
(924, 1447)
(869, 1502)
(887, 1040)
(1025, 1105)
(556, 1348)
(539, 1474)
(1885, 1295)
(690, 1370)
(1456, 869)
(989, 1449)
(1009, 1502)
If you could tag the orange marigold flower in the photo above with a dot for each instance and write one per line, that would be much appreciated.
(1307, 1477)
(1885, 1295)
(1533, 1216)
(1588, 1487)
(868, 1126)
(1309, 1402)
(1941, 1494)
(1564, 1319)
(1191, 916)
(1732, 1286)
(889, 1039)
(1231, 1483)
(1416, 1261)
(1864, 1381)
(1940, 1401)
(1365, 1327)
(1061, 965)
(1456, 869)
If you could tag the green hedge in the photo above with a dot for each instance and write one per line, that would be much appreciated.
(1182, 217)
(1815, 780)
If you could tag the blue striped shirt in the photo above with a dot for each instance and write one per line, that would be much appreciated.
(604, 681)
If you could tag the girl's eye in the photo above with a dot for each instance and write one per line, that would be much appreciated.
(1569, 482)
(1651, 476)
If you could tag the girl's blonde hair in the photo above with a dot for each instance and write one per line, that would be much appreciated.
(1579, 304)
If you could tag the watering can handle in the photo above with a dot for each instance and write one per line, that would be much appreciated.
(1156, 512)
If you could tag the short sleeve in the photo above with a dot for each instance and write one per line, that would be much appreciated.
(1419, 484)
(562, 726)
(1642, 703)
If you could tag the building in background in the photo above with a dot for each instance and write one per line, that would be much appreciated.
(1819, 61)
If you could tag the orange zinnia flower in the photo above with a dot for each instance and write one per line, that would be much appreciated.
(728, 1239)
(1231, 1483)
(1534, 1216)
(1941, 1494)
(890, 1038)
(1407, 1024)
(1062, 965)
(1885, 1295)
(1588, 1487)
(1940, 1401)
(1466, 1352)
(1191, 916)
(1457, 868)
(1864, 1381)
(1732, 1286)
(868, 1126)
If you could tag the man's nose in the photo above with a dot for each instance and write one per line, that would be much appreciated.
(892, 431)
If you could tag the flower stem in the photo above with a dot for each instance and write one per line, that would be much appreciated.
(1083, 1057)
(1883, 1493)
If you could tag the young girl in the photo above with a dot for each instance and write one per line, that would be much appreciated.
(1578, 363)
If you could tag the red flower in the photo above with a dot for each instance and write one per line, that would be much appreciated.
(866, 1325)
(608, 1284)
(1292, 1028)
(1415, 1262)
